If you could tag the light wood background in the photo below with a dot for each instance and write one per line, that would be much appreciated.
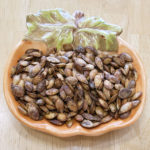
(133, 16)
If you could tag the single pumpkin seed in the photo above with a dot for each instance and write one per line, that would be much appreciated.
(81, 78)
(52, 91)
(59, 105)
(79, 118)
(17, 90)
(108, 85)
(137, 95)
(124, 93)
(50, 115)
(98, 81)
(72, 106)
(56, 122)
(22, 110)
(99, 63)
(61, 117)
(33, 111)
(135, 103)
(69, 123)
(40, 102)
(125, 115)
(53, 60)
(106, 119)
(103, 103)
(99, 111)
(125, 107)
(16, 79)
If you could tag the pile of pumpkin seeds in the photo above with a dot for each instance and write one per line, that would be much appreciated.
(86, 85)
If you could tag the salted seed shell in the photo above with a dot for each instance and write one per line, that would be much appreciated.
(103, 103)
(81, 78)
(68, 90)
(22, 110)
(16, 79)
(61, 117)
(28, 86)
(79, 118)
(59, 105)
(106, 119)
(91, 85)
(118, 86)
(107, 93)
(91, 117)
(34, 70)
(92, 74)
(88, 67)
(72, 106)
(68, 72)
(60, 76)
(52, 91)
(87, 124)
(107, 60)
(124, 93)
(72, 80)
(99, 63)
(113, 98)
(88, 60)
(125, 115)
(51, 83)
(135, 103)
(44, 109)
(17, 91)
(71, 114)
(50, 115)
(113, 107)
(137, 95)
(50, 107)
(56, 122)
(13, 70)
(69, 54)
(48, 100)
(99, 111)
(108, 85)
(33, 111)
(62, 94)
(41, 86)
(118, 103)
(57, 83)
(40, 102)
(131, 84)
(101, 94)
(53, 60)
(126, 57)
(98, 81)
(63, 59)
(119, 61)
(80, 62)
(69, 123)
(28, 99)
(38, 78)
(24, 63)
(125, 107)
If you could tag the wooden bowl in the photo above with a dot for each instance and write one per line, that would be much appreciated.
(76, 129)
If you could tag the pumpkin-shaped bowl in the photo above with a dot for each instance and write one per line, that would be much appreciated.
(76, 129)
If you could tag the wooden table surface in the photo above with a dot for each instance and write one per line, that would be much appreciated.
(133, 16)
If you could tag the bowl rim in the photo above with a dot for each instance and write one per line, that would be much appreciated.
(76, 131)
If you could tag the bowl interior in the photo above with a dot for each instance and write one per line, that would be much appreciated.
(76, 129)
